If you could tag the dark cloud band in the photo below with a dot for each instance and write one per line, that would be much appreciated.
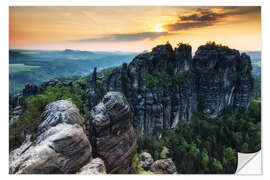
(203, 17)
(125, 37)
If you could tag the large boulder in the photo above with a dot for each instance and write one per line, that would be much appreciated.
(111, 133)
(95, 166)
(146, 160)
(163, 166)
(61, 145)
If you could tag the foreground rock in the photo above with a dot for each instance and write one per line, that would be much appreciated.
(96, 166)
(163, 166)
(146, 160)
(111, 133)
(61, 145)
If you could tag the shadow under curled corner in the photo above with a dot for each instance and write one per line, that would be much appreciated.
(249, 163)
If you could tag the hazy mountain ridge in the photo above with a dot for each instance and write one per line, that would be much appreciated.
(55, 64)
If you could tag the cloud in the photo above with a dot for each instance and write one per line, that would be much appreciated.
(187, 25)
(125, 37)
(203, 17)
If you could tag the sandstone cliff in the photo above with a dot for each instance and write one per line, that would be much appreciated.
(166, 86)
(61, 145)
(111, 133)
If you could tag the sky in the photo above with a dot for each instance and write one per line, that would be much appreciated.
(134, 28)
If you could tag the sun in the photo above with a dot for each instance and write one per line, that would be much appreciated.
(158, 28)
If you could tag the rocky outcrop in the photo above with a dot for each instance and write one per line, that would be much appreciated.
(111, 133)
(96, 166)
(30, 90)
(223, 77)
(217, 77)
(146, 160)
(162, 107)
(14, 114)
(60, 146)
(163, 166)
(94, 79)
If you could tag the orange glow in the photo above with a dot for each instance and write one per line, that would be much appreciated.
(129, 28)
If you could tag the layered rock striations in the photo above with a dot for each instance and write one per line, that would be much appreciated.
(165, 86)
(223, 79)
(61, 145)
(111, 133)
(95, 166)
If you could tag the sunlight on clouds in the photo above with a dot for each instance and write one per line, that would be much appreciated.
(53, 27)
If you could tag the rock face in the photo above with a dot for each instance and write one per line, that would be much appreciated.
(61, 145)
(96, 166)
(146, 160)
(14, 113)
(223, 77)
(163, 166)
(111, 133)
(215, 78)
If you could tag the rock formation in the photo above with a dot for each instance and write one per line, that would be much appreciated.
(60, 146)
(14, 113)
(111, 133)
(156, 91)
(146, 160)
(163, 166)
(31, 90)
(223, 77)
(96, 166)
(217, 77)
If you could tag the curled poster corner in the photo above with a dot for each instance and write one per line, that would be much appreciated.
(249, 163)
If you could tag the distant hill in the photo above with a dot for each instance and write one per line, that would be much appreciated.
(36, 66)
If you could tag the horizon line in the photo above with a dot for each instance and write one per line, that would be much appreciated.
(109, 50)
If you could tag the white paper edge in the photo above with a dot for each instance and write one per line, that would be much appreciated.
(249, 164)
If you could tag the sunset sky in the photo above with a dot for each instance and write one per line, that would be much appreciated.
(132, 28)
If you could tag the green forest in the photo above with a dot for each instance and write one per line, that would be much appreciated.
(210, 145)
